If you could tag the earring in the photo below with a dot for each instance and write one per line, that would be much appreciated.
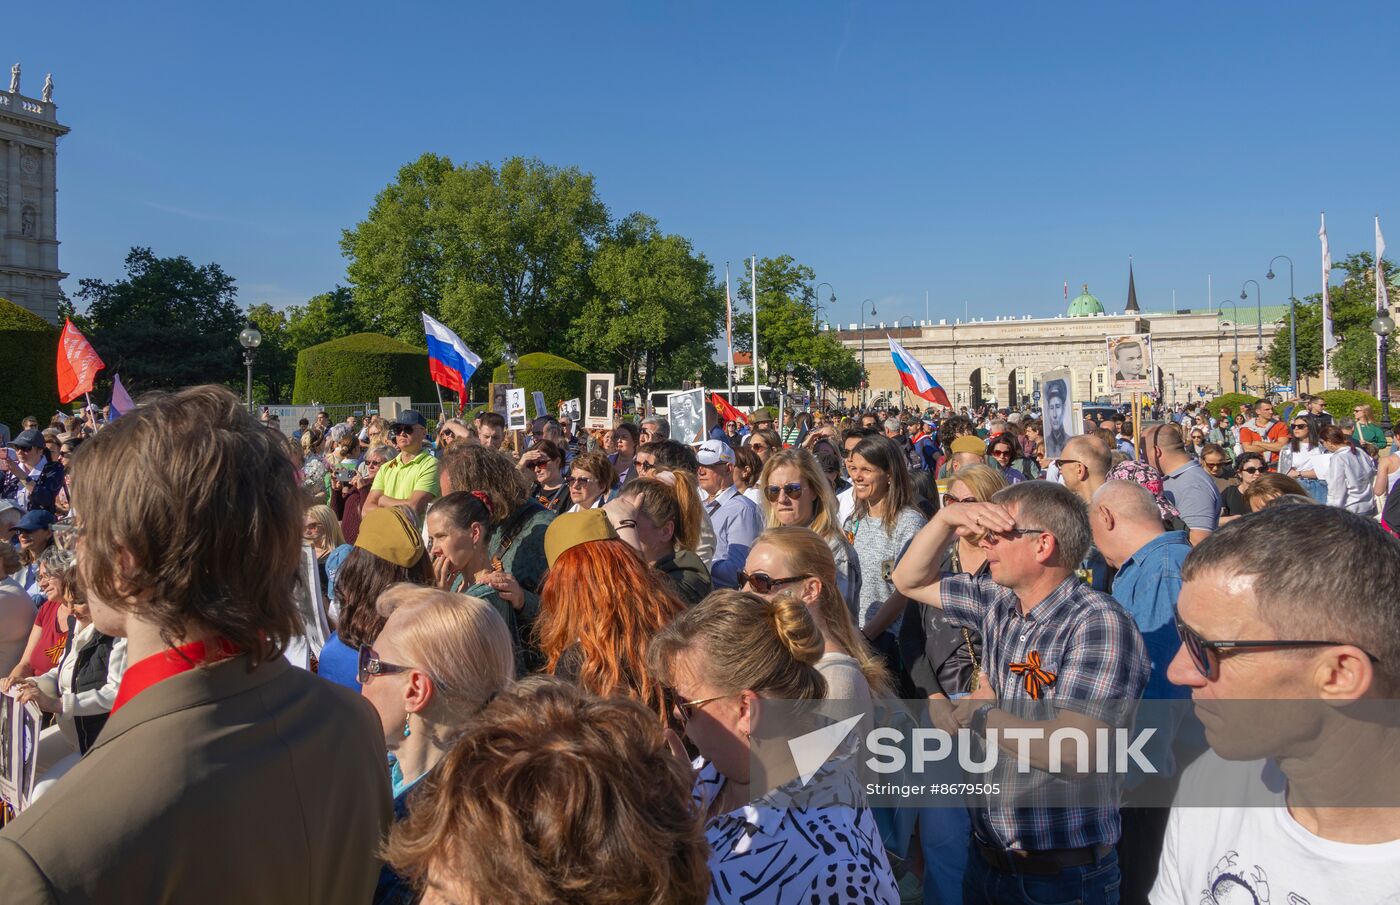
(406, 732)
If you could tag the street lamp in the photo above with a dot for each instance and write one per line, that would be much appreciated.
(1383, 326)
(249, 338)
(512, 360)
(1235, 325)
(1259, 320)
(816, 327)
(864, 376)
(1292, 322)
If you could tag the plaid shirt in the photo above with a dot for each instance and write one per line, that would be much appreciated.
(1097, 655)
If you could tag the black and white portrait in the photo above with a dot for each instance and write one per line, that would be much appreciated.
(600, 392)
(499, 403)
(572, 410)
(1056, 412)
(1130, 362)
(686, 414)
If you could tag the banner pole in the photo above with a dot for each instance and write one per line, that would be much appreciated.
(1137, 425)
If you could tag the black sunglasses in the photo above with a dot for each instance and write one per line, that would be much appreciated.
(1253, 470)
(1199, 648)
(371, 665)
(793, 490)
(949, 499)
(764, 583)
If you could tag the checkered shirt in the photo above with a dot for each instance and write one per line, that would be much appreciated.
(1097, 655)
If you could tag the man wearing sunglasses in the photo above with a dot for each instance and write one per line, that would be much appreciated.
(734, 516)
(411, 477)
(1047, 637)
(1257, 627)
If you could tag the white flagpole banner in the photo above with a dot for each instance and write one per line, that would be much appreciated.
(1329, 342)
(1382, 303)
(729, 330)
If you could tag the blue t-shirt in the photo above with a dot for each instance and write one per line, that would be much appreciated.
(340, 663)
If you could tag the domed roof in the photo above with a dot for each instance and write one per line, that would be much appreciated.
(1085, 304)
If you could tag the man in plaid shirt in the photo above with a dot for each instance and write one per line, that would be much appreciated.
(1051, 641)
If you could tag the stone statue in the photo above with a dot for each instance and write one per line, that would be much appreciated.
(26, 223)
(14, 79)
(48, 89)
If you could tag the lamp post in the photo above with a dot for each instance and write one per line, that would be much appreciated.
(249, 338)
(816, 327)
(1292, 322)
(1259, 321)
(512, 360)
(1383, 326)
(864, 377)
(1235, 326)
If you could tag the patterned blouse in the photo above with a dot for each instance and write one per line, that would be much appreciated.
(798, 844)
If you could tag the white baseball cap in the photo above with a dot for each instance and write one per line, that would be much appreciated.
(713, 452)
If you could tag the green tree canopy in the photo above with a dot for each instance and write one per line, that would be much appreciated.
(169, 323)
(275, 364)
(656, 306)
(788, 339)
(500, 255)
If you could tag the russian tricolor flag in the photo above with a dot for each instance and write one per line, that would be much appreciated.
(918, 380)
(450, 362)
(121, 402)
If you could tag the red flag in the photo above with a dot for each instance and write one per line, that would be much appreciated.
(78, 364)
(726, 411)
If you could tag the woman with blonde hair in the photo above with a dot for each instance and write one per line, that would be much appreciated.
(797, 494)
(659, 518)
(729, 659)
(321, 530)
(439, 659)
(797, 561)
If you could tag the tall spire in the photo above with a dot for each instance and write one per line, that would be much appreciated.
(1132, 290)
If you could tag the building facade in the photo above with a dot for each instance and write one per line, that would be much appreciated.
(29, 134)
(1000, 360)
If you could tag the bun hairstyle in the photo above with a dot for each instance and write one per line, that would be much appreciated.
(745, 643)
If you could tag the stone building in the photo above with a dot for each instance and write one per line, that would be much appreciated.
(1001, 359)
(29, 133)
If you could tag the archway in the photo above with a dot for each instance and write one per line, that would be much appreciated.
(974, 381)
(1013, 397)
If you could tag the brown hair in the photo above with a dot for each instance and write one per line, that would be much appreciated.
(808, 554)
(176, 499)
(361, 579)
(554, 795)
(746, 643)
(476, 467)
(596, 464)
(748, 466)
(1270, 487)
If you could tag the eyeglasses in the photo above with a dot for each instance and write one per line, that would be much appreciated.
(997, 536)
(793, 490)
(1253, 469)
(645, 466)
(758, 447)
(579, 481)
(1061, 463)
(949, 499)
(1300, 427)
(371, 665)
(1002, 453)
(542, 463)
(311, 526)
(1213, 465)
(1199, 648)
(763, 583)
(373, 463)
(687, 708)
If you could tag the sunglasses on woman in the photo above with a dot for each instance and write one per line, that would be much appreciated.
(1251, 469)
(949, 499)
(793, 490)
(763, 583)
(580, 481)
(1208, 665)
(371, 665)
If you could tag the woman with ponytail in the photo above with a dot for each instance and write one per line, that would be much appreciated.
(727, 659)
(798, 562)
(1350, 473)
(659, 517)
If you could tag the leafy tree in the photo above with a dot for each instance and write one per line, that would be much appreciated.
(275, 365)
(788, 339)
(656, 306)
(499, 255)
(168, 324)
(330, 315)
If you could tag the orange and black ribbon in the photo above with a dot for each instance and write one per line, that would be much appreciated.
(1034, 677)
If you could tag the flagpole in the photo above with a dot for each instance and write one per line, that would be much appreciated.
(1327, 340)
(753, 288)
(729, 332)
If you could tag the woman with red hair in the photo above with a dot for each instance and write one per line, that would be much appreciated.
(599, 609)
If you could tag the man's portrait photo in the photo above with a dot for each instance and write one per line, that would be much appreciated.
(686, 414)
(1056, 415)
(599, 405)
(1130, 361)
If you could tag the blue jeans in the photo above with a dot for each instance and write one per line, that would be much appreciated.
(1316, 488)
(1092, 884)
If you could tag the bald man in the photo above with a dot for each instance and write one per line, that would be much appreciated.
(961, 460)
(1128, 531)
(1184, 482)
(1084, 465)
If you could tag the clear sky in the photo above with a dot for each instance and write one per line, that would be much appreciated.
(985, 153)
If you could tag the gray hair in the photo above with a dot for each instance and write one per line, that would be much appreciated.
(58, 562)
(1055, 509)
(661, 430)
(1130, 502)
(893, 424)
(1354, 599)
(385, 452)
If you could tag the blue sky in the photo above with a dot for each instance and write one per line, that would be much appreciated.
(984, 154)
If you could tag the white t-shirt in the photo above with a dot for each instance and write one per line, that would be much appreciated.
(1230, 855)
(846, 500)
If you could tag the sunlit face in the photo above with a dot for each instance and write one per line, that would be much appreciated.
(584, 488)
(1012, 558)
(717, 728)
(50, 584)
(312, 531)
(386, 691)
(646, 464)
(871, 482)
(623, 445)
(461, 547)
(490, 436)
(411, 439)
(713, 478)
(789, 510)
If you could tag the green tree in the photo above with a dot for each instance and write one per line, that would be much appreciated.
(499, 255)
(656, 306)
(788, 339)
(168, 324)
(330, 315)
(275, 364)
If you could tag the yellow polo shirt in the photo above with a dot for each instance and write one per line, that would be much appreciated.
(400, 480)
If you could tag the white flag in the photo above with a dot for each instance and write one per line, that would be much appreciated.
(1382, 291)
(1329, 342)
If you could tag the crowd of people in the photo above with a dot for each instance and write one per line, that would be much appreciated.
(550, 653)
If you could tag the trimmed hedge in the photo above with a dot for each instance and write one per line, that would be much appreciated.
(558, 378)
(1340, 403)
(361, 368)
(1231, 401)
(28, 373)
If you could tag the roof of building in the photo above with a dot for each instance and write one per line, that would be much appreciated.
(1085, 305)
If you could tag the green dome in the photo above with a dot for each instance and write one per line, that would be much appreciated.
(1085, 304)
